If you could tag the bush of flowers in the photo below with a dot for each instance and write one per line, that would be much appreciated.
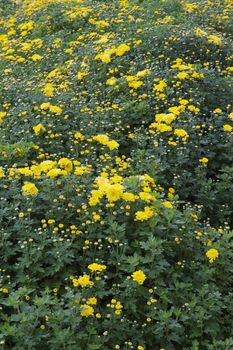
(116, 174)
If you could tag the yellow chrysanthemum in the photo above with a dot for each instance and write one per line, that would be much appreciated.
(139, 276)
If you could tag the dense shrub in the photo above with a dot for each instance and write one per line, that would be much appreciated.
(116, 175)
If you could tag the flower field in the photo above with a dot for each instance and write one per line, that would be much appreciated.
(116, 174)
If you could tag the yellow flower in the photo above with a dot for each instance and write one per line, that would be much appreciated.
(204, 160)
(36, 58)
(127, 196)
(230, 116)
(122, 49)
(144, 215)
(176, 109)
(166, 118)
(100, 24)
(55, 109)
(111, 81)
(66, 164)
(168, 204)
(143, 73)
(161, 127)
(95, 198)
(193, 109)
(92, 301)
(105, 57)
(112, 145)
(96, 217)
(160, 86)
(79, 170)
(200, 32)
(48, 90)
(47, 165)
(117, 312)
(180, 133)
(145, 196)
(118, 306)
(2, 116)
(218, 110)
(103, 139)
(39, 128)
(114, 192)
(227, 128)
(69, 51)
(54, 172)
(190, 7)
(81, 75)
(182, 75)
(29, 189)
(212, 254)
(83, 281)
(214, 39)
(79, 136)
(87, 310)
(36, 171)
(1, 172)
(45, 105)
(4, 290)
(139, 277)
(183, 102)
(135, 84)
(96, 267)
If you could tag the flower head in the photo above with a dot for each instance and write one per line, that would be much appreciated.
(87, 310)
(39, 128)
(96, 267)
(204, 160)
(212, 254)
(29, 189)
(139, 277)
